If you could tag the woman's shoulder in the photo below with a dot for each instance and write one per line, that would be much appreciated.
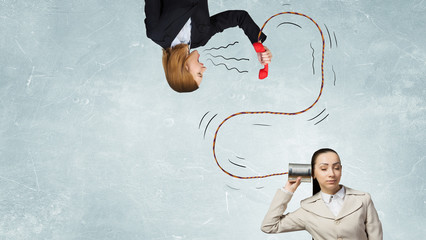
(311, 199)
(357, 193)
(351, 191)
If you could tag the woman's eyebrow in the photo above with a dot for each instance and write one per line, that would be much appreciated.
(331, 164)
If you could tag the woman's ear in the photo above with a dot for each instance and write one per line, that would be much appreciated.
(187, 67)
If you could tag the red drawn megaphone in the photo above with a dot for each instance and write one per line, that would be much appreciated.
(258, 47)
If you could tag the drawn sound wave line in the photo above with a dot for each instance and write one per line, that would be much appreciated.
(313, 59)
(236, 164)
(291, 23)
(269, 112)
(205, 130)
(232, 187)
(317, 115)
(217, 48)
(244, 71)
(232, 58)
(261, 124)
(334, 73)
(199, 125)
(322, 119)
(335, 39)
(329, 37)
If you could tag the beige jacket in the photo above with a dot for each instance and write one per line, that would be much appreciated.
(358, 219)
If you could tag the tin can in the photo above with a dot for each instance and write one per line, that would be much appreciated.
(296, 170)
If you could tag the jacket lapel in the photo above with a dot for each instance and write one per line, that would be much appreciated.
(316, 205)
(351, 202)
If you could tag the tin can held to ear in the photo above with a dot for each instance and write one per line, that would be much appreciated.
(299, 170)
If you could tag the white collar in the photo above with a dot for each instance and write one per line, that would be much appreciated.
(327, 197)
(184, 36)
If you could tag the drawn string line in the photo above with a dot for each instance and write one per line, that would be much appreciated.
(269, 112)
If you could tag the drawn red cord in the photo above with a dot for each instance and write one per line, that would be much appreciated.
(268, 112)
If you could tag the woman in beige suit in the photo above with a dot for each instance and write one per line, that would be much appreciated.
(333, 212)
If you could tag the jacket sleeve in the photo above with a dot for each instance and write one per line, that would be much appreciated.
(373, 226)
(276, 222)
(239, 18)
(153, 16)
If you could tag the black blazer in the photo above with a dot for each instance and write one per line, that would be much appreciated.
(165, 18)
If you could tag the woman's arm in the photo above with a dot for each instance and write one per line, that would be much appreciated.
(240, 18)
(275, 221)
(373, 226)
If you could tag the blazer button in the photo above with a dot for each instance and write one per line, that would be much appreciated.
(337, 222)
(340, 239)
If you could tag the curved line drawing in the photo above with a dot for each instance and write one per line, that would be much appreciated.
(329, 37)
(232, 187)
(269, 112)
(232, 58)
(244, 71)
(334, 73)
(335, 39)
(240, 158)
(322, 119)
(199, 125)
(317, 115)
(313, 60)
(261, 124)
(205, 130)
(260, 187)
(237, 164)
(217, 48)
(289, 23)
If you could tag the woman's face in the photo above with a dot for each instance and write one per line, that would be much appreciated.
(195, 67)
(328, 171)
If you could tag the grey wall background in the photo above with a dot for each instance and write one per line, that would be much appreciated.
(94, 144)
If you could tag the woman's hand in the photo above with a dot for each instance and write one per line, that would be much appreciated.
(292, 186)
(264, 57)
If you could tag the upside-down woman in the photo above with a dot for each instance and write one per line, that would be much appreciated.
(180, 25)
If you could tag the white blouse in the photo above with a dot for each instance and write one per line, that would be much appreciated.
(334, 202)
(184, 36)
